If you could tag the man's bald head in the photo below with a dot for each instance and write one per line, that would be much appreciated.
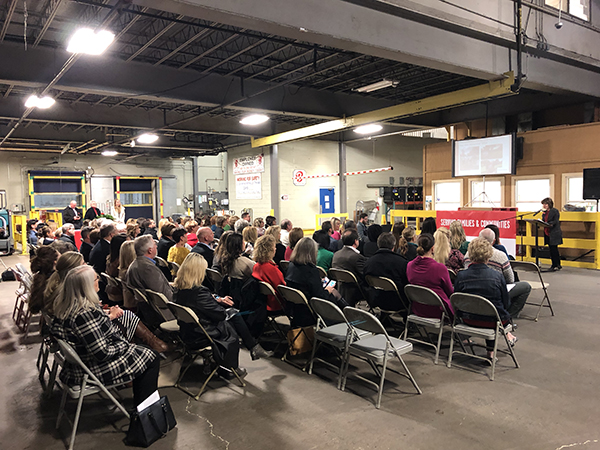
(205, 234)
(488, 235)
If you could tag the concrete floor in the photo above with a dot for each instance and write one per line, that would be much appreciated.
(551, 402)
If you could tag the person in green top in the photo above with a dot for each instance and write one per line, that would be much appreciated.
(458, 239)
(324, 256)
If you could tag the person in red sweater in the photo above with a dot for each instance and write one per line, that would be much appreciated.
(266, 270)
(295, 235)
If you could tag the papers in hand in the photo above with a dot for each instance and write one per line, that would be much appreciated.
(154, 397)
(510, 286)
(230, 312)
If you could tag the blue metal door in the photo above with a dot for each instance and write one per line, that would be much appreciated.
(327, 200)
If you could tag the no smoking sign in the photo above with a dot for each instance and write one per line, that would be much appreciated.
(299, 177)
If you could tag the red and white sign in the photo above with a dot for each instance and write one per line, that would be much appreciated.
(299, 177)
(248, 186)
(249, 164)
(475, 221)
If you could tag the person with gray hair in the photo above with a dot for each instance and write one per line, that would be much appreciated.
(286, 227)
(240, 224)
(68, 233)
(143, 273)
(519, 291)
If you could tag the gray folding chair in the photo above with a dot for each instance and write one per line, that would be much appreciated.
(379, 349)
(452, 275)
(21, 311)
(161, 262)
(477, 305)
(386, 285)
(347, 277)
(160, 304)
(425, 296)
(332, 329)
(322, 271)
(295, 296)
(524, 266)
(266, 289)
(283, 265)
(174, 268)
(187, 315)
(90, 385)
(215, 278)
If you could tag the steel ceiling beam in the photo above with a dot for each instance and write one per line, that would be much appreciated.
(210, 50)
(490, 90)
(9, 13)
(235, 55)
(268, 55)
(47, 18)
(204, 33)
(156, 37)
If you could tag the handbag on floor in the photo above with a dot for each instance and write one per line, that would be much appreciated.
(151, 424)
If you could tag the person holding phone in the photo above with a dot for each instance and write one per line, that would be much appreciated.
(552, 234)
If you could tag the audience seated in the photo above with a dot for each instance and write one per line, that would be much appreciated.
(481, 279)
(68, 233)
(499, 261)
(458, 239)
(350, 259)
(266, 270)
(259, 224)
(86, 243)
(373, 233)
(42, 267)
(275, 231)
(101, 250)
(126, 257)
(397, 230)
(240, 225)
(149, 227)
(205, 238)
(178, 252)
(62, 246)
(428, 226)
(112, 261)
(295, 235)
(191, 227)
(81, 322)
(425, 271)
(286, 227)
(250, 236)
(387, 264)
(232, 263)
(166, 240)
(407, 246)
(452, 258)
(270, 221)
(302, 274)
(324, 256)
(497, 245)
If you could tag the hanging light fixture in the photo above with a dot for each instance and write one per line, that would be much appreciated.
(110, 153)
(90, 42)
(147, 138)
(254, 119)
(42, 103)
(368, 129)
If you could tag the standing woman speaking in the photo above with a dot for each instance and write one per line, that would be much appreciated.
(552, 234)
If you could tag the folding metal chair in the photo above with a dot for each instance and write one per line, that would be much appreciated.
(90, 385)
(21, 312)
(266, 289)
(387, 285)
(322, 271)
(215, 278)
(295, 296)
(160, 304)
(161, 262)
(283, 265)
(477, 305)
(187, 315)
(452, 274)
(48, 346)
(174, 267)
(425, 296)
(347, 277)
(379, 349)
(332, 329)
(525, 266)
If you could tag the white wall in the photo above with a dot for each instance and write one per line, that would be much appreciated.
(212, 173)
(317, 157)
(14, 167)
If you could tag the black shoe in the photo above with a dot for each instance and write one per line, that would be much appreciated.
(559, 268)
(554, 269)
(258, 352)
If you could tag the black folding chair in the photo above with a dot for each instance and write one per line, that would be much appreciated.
(295, 296)
(524, 266)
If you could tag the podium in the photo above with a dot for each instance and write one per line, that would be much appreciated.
(537, 223)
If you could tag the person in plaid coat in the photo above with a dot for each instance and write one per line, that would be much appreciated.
(81, 322)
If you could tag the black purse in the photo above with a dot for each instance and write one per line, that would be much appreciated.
(151, 424)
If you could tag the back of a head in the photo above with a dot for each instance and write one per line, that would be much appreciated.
(192, 271)
(488, 235)
(67, 227)
(442, 245)
(44, 260)
(296, 234)
(178, 234)
(259, 222)
(263, 249)
(270, 221)
(457, 234)
(142, 244)
(115, 246)
(275, 231)
(326, 226)
(94, 236)
(233, 250)
(127, 255)
(321, 237)
(349, 225)
(240, 224)
(305, 252)
(85, 232)
(373, 232)
(66, 262)
(220, 222)
(496, 231)
(429, 226)
(250, 234)
(190, 225)
(77, 293)
(167, 229)
(425, 243)
(480, 250)
(386, 241)
(349, 237)
(63, 247)
(106, 231)
(285, 223)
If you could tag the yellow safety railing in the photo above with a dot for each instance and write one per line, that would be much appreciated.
(406, 214)
(20, 236)
(56, 217)
(319, 217)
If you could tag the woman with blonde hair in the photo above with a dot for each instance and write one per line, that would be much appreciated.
(81, 322)
(66, 262)
(407, 246)
(212, 312)
(452, 258)
(275, 231)
(126, 257)
(266, 270)
(458, 239)
(118, 211)
(250, 235)
(335, 228)
(259, 224)
(191, 227)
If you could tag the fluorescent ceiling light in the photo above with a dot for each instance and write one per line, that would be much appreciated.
(43, 103)
(368, 129)
(147, 138)
(85, 40)
(254, 119)
(109, 153)
(376, 86)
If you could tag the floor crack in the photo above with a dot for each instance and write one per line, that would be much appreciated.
(211, 426)
(589, 441)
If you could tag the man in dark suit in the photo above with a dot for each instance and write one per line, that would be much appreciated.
(388, 264)
(205, 238)
(149, 227)
(350, 259)
(86, 244)
(72, 214)
(101, 250)
(92, 211)
(68, 234)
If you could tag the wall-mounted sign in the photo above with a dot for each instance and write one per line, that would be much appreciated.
(249, 164)
(248, 186)
(285, 197)
(299, 177)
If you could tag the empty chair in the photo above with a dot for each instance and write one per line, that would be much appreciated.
(478, 306)
(332, 329)
(425, 296)
(187, 315)
(378, 349)
(90, 385)
(347, 277)
(525, 266)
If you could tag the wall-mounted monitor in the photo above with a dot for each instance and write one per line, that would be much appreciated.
(487, 156)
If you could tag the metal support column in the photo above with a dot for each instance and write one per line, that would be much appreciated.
(195, 188)
(342, 170)
(274, 164)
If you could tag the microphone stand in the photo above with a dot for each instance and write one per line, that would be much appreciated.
(520, 217)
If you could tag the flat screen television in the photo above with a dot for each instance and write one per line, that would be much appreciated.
(487, 156)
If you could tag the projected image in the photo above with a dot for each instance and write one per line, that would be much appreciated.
(487, 156)
(469, 158)
(492, 160)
